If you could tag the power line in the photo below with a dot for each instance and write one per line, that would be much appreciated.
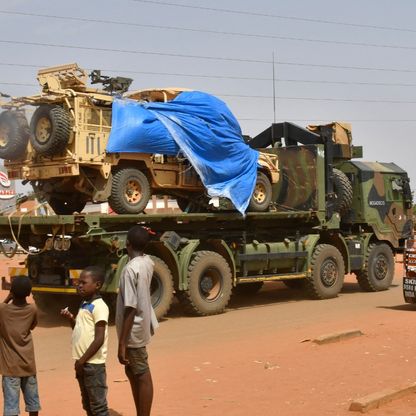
(236, 78)
(315, 120)
(217, 32)
(277, 16)
(219, 58)
(353, 100)
(277, 97)
(130, 51)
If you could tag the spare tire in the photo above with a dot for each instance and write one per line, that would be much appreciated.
(14, 135)
(343, 192)
(50, 127)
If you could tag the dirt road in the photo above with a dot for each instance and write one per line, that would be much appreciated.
(256, 358)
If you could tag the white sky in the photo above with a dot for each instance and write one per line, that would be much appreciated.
(383, 116)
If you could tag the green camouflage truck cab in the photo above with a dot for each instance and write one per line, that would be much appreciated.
(382, 200)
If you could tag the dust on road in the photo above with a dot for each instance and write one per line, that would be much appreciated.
(256, 358)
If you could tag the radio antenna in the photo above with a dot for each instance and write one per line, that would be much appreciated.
(274, 90)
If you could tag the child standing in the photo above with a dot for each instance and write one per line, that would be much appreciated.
(89, 342)
(135, 319)
(17, 355)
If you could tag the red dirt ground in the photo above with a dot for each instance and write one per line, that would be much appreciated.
(256, 359)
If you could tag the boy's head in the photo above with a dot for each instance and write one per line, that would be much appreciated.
(90, 281)
(137, 239)
(21, 287)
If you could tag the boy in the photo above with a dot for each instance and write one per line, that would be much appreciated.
(135, 319)
(17, 355)
(89, 342)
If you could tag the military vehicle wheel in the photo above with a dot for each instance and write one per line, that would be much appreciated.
(327, 272)
(51, 128)
(378, 271)
(209, 284)
(130, 191)
(262, 195)
(66, 206)
(294, 283)
(161, 288)
(247, 289)
(14, 135)
(343, 192)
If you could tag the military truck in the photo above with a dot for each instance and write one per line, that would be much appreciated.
(63, 151)
(332, 215)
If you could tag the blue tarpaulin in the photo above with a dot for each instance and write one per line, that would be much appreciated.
(200, 127)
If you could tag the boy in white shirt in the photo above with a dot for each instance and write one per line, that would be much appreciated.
(89, 342)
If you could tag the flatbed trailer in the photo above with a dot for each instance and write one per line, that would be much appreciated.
(201, 258)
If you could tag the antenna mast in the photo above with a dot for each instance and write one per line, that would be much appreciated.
(274, 91)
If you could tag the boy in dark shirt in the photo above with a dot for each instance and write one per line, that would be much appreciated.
(17, 355)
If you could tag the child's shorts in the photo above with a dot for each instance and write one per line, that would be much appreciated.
(11, 393)
(138, 363)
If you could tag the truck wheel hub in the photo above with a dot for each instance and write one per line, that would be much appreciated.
(259, 193)
(43, 130)
(210, 284)
(381, 267)
(133, 192)
(329, 273)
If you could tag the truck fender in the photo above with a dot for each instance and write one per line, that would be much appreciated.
(185, 257)
(112, 285)
(370, 238)
(218, 246)
(165, 252)
(367, 239)
(222, 248)
(157, 249)
(338, 242)
(310, 241)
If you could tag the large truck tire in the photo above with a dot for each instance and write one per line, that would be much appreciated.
(14, 135)
(327, 272)
(130, 191)
(161, 288)
(209, 284)
(262, 195)
(247, 289)
(66, 205)
(343, 192)
(378, 271)
(51, 128)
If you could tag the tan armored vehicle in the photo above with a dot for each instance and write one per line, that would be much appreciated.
(62, 153)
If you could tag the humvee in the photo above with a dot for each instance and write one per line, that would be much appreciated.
(62, 152)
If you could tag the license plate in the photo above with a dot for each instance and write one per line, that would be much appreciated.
(409, 289)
